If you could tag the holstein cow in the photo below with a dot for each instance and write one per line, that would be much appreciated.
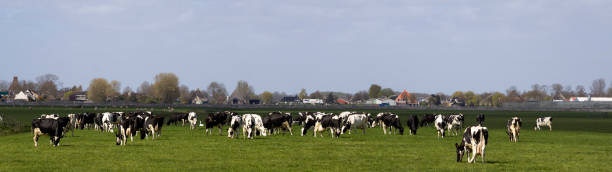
(427, 119)
(359, 121)
(392, 121)
(178, 117)
(193, 119)
(153, 125)
(300, 118)
(124, 129)
(72, 124)
(413, 124)
(440, 124)
(309, 121)
(455, 122)
(277, 120)
(328, 121)
(480, 119)
(235, 123)
(251, 124)
(107, 121)
(513, 128)
(541, 122)
(216, 119)
(474, 142)
(53, 127)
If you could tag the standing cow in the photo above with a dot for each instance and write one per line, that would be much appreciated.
(328, 121)
(440, 125)
(235, 123)
(513, 128)
(192, 117)
(359, 121)
(541, 122)
(474, 142)
(413, 124)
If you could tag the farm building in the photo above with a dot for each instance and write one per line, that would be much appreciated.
(382, 102)
(290, 99)
(406, 98)
(78, 96)
(199, 100)
(342, 101)
(312, 101)
(590, 99)
(26, 96)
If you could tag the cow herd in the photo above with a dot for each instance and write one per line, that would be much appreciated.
(146, 124)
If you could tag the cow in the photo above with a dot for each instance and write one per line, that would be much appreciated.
(328, 121)
(178, 117)
(541, 122)
(440, 125)
(235, 123)
(277, 120)
(52, 127)
(86, 120)
(427, 119)
(392, 121)
(309, 121)
(98, 122)
(300, 118)
(124, 129)
(413, 124)
(72, 124)
(475, 139)
(359, 121)
(53, 116)
(251, 124)
(193, 119)
(153, 124)
(380, 120)
(513, 128)
(480, 119)
(455, 122)
(216, 119)
(107, 121)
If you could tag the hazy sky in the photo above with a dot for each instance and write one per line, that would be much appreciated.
(341, 45)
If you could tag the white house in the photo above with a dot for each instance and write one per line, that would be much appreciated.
(390, 102)
(312, 101)
(591, 99)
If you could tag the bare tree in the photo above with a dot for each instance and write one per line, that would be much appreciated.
(598, 87)
(557, 90)
(580, 91)
(316, 95)
(217, 92)
(145, 89)
(243, 91)
(361, 96)
(98, 90)
(166, 87)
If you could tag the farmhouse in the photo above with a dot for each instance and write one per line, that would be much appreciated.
(80, 96)
(406, 98)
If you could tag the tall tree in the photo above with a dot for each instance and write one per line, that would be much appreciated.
(217, 92)
(243, 91)
(166, 87)
(98, 90)
(303, 94)
(557, 90)
(374, 91)
(361, 96)
(330, 99)
(580, 91)
(47, 86)
(387, 92)
(266, 97)
(598, 88)
(316, 95)
(497, 99)
(185, 95)
(513, 95)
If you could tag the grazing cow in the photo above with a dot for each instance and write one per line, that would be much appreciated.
(278, 120)
(413, 124)
(216, 119)
(513, 128)
(153, 124)
(392, 121)
(251, 124)
(193, 119)
(427, 119)
(53, 127)
(359, 121)
(300, 118)
(440, 124)
(125, 127)
(235, 123)
(474, 141)
(344, 115)
(328, 121)
(107, 121)
(480, 118)
(541, 122)
(309, 121)
(98, 122)
(454, 122)
(178, 117)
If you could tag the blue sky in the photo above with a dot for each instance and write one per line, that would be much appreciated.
(344, 45)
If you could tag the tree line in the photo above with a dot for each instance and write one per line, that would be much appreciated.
(166, 88)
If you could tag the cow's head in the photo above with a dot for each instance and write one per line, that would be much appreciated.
(119, 138)
(460, 149)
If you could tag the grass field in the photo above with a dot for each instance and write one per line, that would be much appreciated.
(579, 142)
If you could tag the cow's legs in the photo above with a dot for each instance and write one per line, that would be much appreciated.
(286, 124)
(220, 128)
(549, 127)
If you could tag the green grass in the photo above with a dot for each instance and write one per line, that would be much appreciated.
(579, 142)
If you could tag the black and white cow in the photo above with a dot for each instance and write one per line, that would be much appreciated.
(178, 118)
(309, 121)
(72, 124)
(300, 118)
(107, 121)
(98, 122)
(52, 127)
(513, 128)
(480, 119)
(328, 121)
(277, 120)
(192, 117)
(124, 129)
(251, 124)
(541, 122)
(454, 122)
(87, 120)
(216, 119)
(235, 123)
(392, 121)
(440, 125)
(413, 124)
(427, 119)
(355, 120)
(474, 142)
(153, 125)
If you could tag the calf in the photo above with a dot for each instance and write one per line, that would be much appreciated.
(440, 125)
(513, 128)
(193, 119)
(359, 121)
(252, 123)
(427, 119)
(53, 127)
(541, 122)
(455, 122)
(392, 121)
(328, 121)
(235, 123)
(413, 124)
(480, 119)
(474, 141)
(276, 120)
